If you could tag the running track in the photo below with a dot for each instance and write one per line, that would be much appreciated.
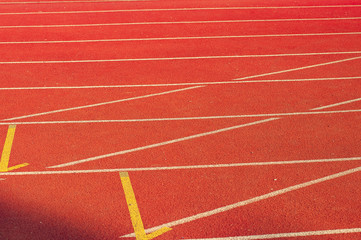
(233, 119)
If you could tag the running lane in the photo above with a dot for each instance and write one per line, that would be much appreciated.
(243, 126)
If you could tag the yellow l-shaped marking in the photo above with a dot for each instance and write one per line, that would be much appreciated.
(134, 211)
(5, 156)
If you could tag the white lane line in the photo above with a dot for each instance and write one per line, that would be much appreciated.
(65, 2)
(299, 68)
(337, 104)
(162, 143)
(182, 118)
(286, 235)
(101, 104)
(179, 22)
(183, 84)
(2, 179)
(229, 165)
(181, 38)
(249, 201)
(193, 58)
(179, 9)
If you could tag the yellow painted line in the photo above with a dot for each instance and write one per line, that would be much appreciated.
(18, 166)
(158, 233)
(5, 156)
(134, 211)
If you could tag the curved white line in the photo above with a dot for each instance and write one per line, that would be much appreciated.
(178, 22)
(180, 38)
(65, 2)
(184, 118)
(181, 84)
(197, 58)
(287, 235)
(169, 168)
(179, 9)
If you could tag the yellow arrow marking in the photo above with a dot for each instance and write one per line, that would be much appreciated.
(5, 156)
(134, 211)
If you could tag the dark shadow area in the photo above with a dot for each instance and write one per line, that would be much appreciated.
(19, 224)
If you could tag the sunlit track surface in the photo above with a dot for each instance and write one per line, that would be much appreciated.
(180, 119)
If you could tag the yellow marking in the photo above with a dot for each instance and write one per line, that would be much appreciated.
(5, 156)
(134, 211)
(158, 232)
(18, 166)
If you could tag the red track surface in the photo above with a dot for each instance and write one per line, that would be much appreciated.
(74, 205)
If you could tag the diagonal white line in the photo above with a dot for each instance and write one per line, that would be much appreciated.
(251, 200)
(193, 58)
(184, 83)
(337, 104)
(101, 104)
(300, 68)
(169, 168)
(162, 143)
(181, 38)
(178, 9)
(184, 118)
(287, 235)
(179, 22)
